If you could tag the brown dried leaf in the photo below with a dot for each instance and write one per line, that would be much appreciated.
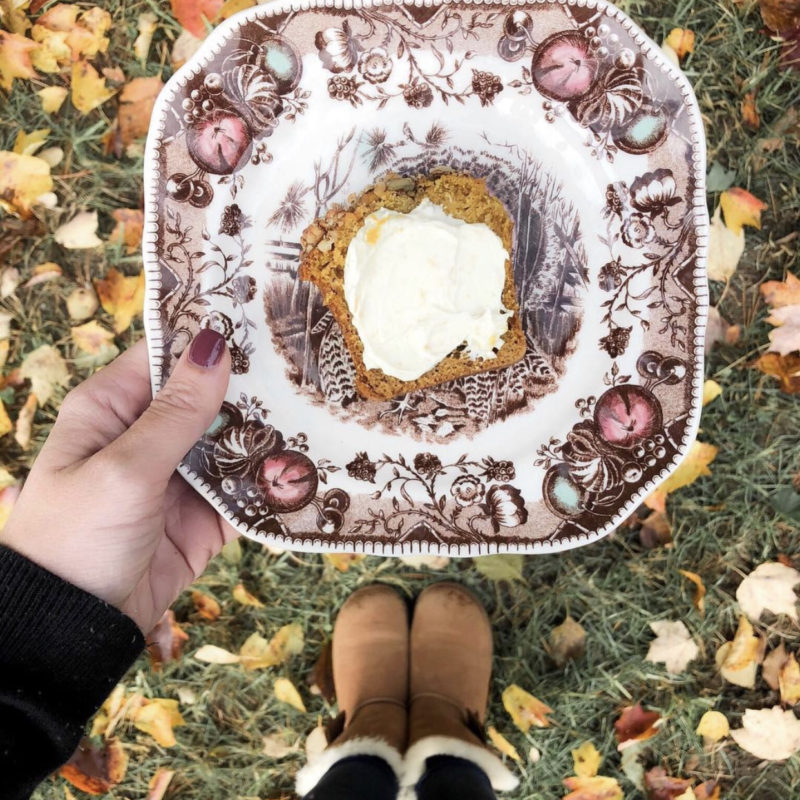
(207, 607)
(656, 530)
(785, 368)
(709, 790)
(660, 786)
(165, 642)
(96, 770)
(780, 15)
(567, 642)
(635, 725)
(749, 111)
(136, 103)
(699, 599)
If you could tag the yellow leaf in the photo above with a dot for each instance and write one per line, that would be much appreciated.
(285, 692)
(26, 144)
(89, 90)
(23, 182)
(711, 391)
(147, 27)
(232, 7)
(52, 51)
(713, 726)
(681, 40)
(525, 709)
(88, 37)
(13, 16)
(52, 98)
(211, 654)
(157, 718)
(789, 681)
(121, 296)
(241, 595)
(502, 744)
(92, 338)
(257, 653)
(699, 600)
(343, 561)
(725, 248)
(694, 464)
(15, 58)
(586, 760)
(738, 660)
(741, 208)
(595, 788)
(46, 370)
(24, 426)
(6, 425)
(207, 607)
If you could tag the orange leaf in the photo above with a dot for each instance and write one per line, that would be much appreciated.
(193, 14)
(23, 182)
(709, 790)
(594, 788)
(157, 717)
(136, 103)
(15, 58)
(681, 40)
(89, 90)
(121, 296)
(785, 368)
(698, 601)
(750, 115)
(741, 208)
(207, 607)
(165, 641)
(128, 230)
(635, 725)
(158, 783)
(661, 786)
(779, 294)
(96, 770)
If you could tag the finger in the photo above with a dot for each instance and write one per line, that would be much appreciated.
(178, 415)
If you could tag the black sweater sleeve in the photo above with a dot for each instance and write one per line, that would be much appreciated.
(62, 651)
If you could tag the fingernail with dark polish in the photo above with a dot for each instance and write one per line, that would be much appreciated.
(207, 348)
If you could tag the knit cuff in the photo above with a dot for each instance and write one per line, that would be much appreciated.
(54, 630)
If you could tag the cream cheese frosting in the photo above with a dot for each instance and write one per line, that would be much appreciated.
(418, 285)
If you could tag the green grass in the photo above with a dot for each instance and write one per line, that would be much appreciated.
(724, 525)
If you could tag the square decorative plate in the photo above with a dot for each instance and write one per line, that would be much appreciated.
(594, 143)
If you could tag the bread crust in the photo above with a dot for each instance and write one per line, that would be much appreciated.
(324, 247)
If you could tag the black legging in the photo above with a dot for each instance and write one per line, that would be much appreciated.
(371, 778)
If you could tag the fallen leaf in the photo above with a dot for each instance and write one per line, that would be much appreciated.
(96, 770)
(146, 25)
(711, 391)
(713, 726)
(82, 303)
(207, 607)
(80, 233)
(656, 530)
(694, 464)
(15, 58)
(24, 183)
(26, 144)
(789, 681)
(673, 646)
(85, 31)
(111, 712)
(128, 230)
(24, 427)
(718, 329)
(320, 679)
(241, 595)
(524, 709)
(708, 790)
(194, 15)
(699, 599)
(211, 654)
(12, 15)
(89, 90)
(738, 660)
(43, 273)
(500, 567)
(95, 340)
(631, 765)
(785, 368)
(9, 280)
(596, 788)
(46, 369)
(771, 734)
(750, 115)
(186, 45)
(136, 103)
(771, 668)
(232, 551)
(165, 642)
(769, 587)
(121, 296)
(231, 7)
(681, 40)
(779, 294)
(783, 298)
(725, 248)
(275, 746)
(635, 725)
(343, 561)
(780, 15)
(258, 653)
(586, 760)
(6, 426)
(567, 642)
(502, 744)
(718, 178)
(286, 692)
(157, 717)
(316, 742)
(157, 785)
(660, 786)
(741, 208)
(433, 562)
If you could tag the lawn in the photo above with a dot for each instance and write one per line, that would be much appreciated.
(723, 525)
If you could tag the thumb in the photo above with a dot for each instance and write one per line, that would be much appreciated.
(180, 413)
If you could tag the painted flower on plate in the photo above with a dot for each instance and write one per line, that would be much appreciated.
(375, 65)
(467, 490)
(505, 506)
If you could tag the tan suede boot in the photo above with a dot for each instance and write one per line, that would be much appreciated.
(370, 676)
(451, 666)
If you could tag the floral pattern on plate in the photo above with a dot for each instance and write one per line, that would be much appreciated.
(594, 145)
